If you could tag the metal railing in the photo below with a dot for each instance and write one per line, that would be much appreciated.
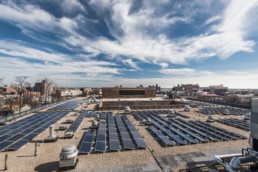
(9, 116)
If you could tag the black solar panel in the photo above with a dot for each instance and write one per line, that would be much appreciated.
(5, 144)
(114, 145)
(140, 143)
(26, 129)
(16, 137)
(128, 144)
(85, 147)
(77, 122)
(17, 145)
(30, 137)
(101, 138)
(87, 141)
(100, 146)
(113, 136)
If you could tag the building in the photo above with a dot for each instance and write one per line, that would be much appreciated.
(43, 87)
(32, 93)
(96, 91)
(71, 93)
(215, 89)
(186, 88)
(8, 90)
(128, 92)
(239, 99)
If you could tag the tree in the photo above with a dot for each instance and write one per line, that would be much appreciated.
(9, 100)
(21, 85)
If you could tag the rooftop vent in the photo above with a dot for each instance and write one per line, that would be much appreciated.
(52, 137)
(68, 157)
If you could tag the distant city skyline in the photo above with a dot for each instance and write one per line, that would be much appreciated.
(107, 43)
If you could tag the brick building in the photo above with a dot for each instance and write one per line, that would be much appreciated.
(128, 92)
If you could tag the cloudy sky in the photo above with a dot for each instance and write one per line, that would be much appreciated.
(98, 43)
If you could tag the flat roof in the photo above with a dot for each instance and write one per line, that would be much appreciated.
(47, 158)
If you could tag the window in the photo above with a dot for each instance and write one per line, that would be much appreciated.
(131, 92)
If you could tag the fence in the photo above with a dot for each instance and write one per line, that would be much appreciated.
(9, 116)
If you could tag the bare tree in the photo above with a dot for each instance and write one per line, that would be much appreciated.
(21, 84)
(10, 101)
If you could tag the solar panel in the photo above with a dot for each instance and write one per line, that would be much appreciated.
(77, 122)
(88, 138)
(73, 104)
(103, 115)
(101, 138)
(100, 146)
(128, 144)
(114, 145)
(165, 141)
(85, 147)
(113, 136)
(136, 135)
(16, 137)
(30, 137)
(168, 133)
(140, 143)
(5, 144)
(17, 145)
(5, 137)
(101, 131)
(87, 141)
(125, 135)
(112, 130)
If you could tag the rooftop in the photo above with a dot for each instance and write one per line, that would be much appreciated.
(172, 157)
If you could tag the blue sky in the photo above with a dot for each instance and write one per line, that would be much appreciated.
(106, 43)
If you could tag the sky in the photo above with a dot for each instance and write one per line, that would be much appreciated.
(97, 43)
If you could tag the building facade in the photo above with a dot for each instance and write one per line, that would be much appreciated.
(186, 88)
(215, 89)
(128, 92)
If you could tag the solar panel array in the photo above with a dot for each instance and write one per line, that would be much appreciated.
(180, 132)
(17, 134)
(113, 134)
(181, 115)
(71, 105)
(77, 122)
(100, 145)
(87, 141)
(237, 123)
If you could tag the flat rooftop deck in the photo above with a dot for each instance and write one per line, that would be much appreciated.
(47, 158)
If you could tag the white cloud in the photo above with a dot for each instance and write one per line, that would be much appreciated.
(212, 19)
(223, 40)
(184, 71)
(141, 36)
(163, 65)
(134, 36)
(17, 50)
(11, 67)
(131, 63)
